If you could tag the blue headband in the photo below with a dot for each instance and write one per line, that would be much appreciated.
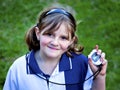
(58, 10)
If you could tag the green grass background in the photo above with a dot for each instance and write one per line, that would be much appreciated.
(98, 23)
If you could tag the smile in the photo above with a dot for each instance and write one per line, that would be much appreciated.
(53, 48)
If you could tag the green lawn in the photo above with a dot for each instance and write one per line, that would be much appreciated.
(98, 23)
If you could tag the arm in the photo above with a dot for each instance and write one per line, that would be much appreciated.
(99, 83)
(9, 82)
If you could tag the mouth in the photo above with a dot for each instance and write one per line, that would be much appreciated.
(53, 48)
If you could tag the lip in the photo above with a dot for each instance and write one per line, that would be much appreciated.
(53, 48)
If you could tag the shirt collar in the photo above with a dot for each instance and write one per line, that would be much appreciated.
(64, 64)
(34, 68)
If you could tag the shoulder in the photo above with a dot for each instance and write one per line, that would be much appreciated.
(18, 63)
(80, 61)
(76, 58)
(17, 68)
(79, 57)
(20, 60)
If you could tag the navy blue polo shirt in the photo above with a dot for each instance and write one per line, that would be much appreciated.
(74, 68)
(69, 74)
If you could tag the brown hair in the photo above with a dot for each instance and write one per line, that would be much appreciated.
(52, 19)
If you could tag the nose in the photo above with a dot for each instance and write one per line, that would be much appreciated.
(55, 42)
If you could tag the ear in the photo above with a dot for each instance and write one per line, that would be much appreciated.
(37, 32)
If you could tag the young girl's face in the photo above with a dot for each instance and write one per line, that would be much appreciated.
(54, 44)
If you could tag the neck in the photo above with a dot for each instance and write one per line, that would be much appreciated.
(44, 58)
(46, 64)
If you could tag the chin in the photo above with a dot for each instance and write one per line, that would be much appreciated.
(54, 55)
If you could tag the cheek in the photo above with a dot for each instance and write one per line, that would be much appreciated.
(44, 41)
(65, 46)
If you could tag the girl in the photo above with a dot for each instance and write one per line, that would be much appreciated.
(55, 62)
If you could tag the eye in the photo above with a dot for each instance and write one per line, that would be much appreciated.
(64, 38)
(48, 34)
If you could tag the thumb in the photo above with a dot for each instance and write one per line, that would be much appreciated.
(96, 47)
(92, 66)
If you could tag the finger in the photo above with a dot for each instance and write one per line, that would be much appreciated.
(104, 67)
(96, 47)
(99, 52)
(102, 57)
(92, 66)
(104, 62)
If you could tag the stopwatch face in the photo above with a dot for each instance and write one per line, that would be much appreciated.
(96, 59)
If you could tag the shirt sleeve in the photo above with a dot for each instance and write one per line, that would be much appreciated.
(88, 82)
(9, 82)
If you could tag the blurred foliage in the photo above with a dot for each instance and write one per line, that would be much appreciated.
(98, 23)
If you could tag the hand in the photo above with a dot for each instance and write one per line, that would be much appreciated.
(93, 67)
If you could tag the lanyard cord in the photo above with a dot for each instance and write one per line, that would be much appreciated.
(48, 81)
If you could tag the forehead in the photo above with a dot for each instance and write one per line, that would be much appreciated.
(54, 21)
(61, 27)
